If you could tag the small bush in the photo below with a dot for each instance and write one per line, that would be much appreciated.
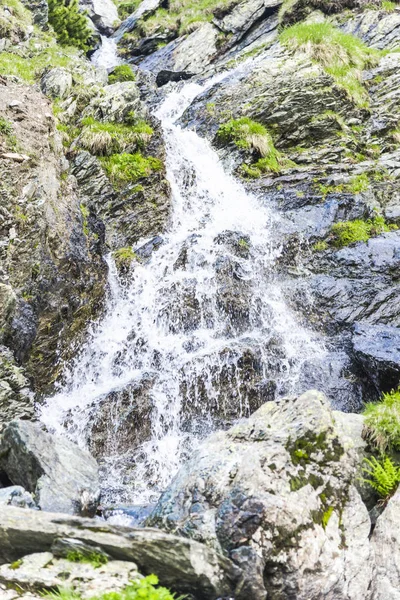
(382, 422)
(128, 168)
(342, 55)
(384, 475)
(121, 73)
(69, 24)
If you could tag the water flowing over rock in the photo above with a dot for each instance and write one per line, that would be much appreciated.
(275, 493)
(63, 477)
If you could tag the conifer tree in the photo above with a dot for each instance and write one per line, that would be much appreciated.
(69, 24)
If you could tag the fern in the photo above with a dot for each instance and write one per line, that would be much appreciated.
(384, 475)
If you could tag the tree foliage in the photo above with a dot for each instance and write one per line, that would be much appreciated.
(70, 25)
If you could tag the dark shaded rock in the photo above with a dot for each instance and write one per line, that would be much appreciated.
(165, 77)
(62, 477)
(183, 565)
(267, 491)
(377, 348)
(40, 11)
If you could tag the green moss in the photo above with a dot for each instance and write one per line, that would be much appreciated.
(382, 421)
(326, 516)
(129, 168)
(126, 7)
(314, 447)
(320, 246)
(94, 558)
(342, 55)
(121, 73)
(349, 232)
(16, 565)
(124, 256)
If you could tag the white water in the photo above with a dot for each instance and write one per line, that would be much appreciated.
(145, 333)
(106, 56)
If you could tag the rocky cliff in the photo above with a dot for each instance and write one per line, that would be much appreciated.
(199, 222)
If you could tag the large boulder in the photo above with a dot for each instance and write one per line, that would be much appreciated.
(275, 493)
(386, 544)
(62, 477)
(56, 82)
(184, 565)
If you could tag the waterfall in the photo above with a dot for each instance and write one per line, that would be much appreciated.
(200, 334)
(107, 55)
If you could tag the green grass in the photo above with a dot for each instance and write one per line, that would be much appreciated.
(30, 69)
(384, 475)
(382, 422)
(388, 6)
(94, 558)
(121, 73)
(103, 139)
(128, 168)
(126, 7)
(342, 55)
(183, 16)
(142, 589)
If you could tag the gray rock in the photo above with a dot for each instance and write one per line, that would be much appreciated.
(116, 102)
(15, 495)
(145, 8)
(183, 565)
(56, 82)
(378, 29)
(62, 477)
(39, 9)
(275, 493)
(378, 350)
(16, 398)
(385, 542)
(103, 13)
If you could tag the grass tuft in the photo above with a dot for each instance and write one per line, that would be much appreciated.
(121, 73)
(342, 55)
(128, 168)
(104, 139)
(382, 422)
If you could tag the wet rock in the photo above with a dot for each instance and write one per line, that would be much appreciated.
(164, 77)
(294, 495)
(62, 477)
(377, 348)
(145, 8)
(56, 82)
(103, 14)
(16, 495)
(181, 564)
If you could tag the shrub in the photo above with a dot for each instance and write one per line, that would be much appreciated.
(121, 73)
(342, 55)
(128, 168)
(384, 475)
(141, 589)
(69, 24)
(382, 421)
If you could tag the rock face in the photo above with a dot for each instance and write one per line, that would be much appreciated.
(184, 565)
(275, 494)
(62, 477)
(16, 399)
(56, 83)
(103, 13)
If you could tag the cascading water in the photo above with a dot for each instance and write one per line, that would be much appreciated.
(199, 336)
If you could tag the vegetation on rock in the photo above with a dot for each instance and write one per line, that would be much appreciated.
(70, 25)
(94, 558)
(342, 55)
(142, 589)
(103, 139)
(345, 233)
(384, 475)
(127, 168)
(126, 7)
(382, 422)
(121, 73)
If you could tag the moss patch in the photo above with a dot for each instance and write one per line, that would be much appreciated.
(129, 168)
(121, 73)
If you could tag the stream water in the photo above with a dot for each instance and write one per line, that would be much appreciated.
(187, 325)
